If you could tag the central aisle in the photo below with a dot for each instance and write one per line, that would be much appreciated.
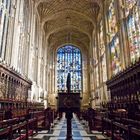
(58, 132)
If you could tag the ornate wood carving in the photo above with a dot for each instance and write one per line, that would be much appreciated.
(125, 89)
(13, 86)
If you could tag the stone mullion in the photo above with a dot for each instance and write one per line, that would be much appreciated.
(25, 30)
(46, 63)
(94, 70)
(21, 57)
(107, 50)
(27, 54)
(98, 58)
(36, 52)
(5, 29)
(40, 55)
(46, 76)
(119, 25)
(22, 40)
(107, 56)
(100, 61)
(51, 73)
(123, 32)
(29, 22)
(1, 26)
(43, 60)
(24, 53)
(36, 66)
(10, 34)
(15, 43)
(49, 80)
(31, 48)
(54, 73)
(45, 66)
(90, 66)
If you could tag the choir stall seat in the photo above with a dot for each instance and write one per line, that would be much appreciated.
(5, 133)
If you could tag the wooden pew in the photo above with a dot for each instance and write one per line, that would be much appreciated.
(97, 123)
(40, 116)
(135, 133)
(120, 131)
(107, 126)
(21, 128)
(125, 129)
(6, 123)
(5, 133)
(17, 131)
(32, 126)
(131, 122)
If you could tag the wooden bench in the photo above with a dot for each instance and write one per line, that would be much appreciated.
(5, 133)
(131, 122)
(97, 123)
(135, 133)
(107, 126)
(127, 130)
(21, 128)
(32, 126)
(40, 117)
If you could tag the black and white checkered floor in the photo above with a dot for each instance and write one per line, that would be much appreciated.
(79, 131)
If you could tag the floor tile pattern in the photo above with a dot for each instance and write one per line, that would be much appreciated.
(79, 131)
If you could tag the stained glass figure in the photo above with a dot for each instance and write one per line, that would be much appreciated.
(133, 29)
(69, 61)
(112, 22)
(129, 5)
(115, 55)
(131, 11)
(113, 40)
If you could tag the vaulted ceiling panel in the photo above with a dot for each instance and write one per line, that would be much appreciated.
(73, 19)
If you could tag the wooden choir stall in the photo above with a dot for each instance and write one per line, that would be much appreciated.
(123, 116)
(20, 118)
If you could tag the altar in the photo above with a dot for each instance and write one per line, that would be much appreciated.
(67, 101)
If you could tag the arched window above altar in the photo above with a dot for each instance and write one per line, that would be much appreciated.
(69, 60)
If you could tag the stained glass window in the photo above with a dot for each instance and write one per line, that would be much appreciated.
(112, 22)
(69, 61)
(129, 5)
(115, 55)
(131, 10)
(113, 41)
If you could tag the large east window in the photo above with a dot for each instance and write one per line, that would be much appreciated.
(69, 61)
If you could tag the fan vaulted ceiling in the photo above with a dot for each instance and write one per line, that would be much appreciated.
(68, 21)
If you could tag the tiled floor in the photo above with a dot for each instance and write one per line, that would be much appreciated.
(58, 132)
